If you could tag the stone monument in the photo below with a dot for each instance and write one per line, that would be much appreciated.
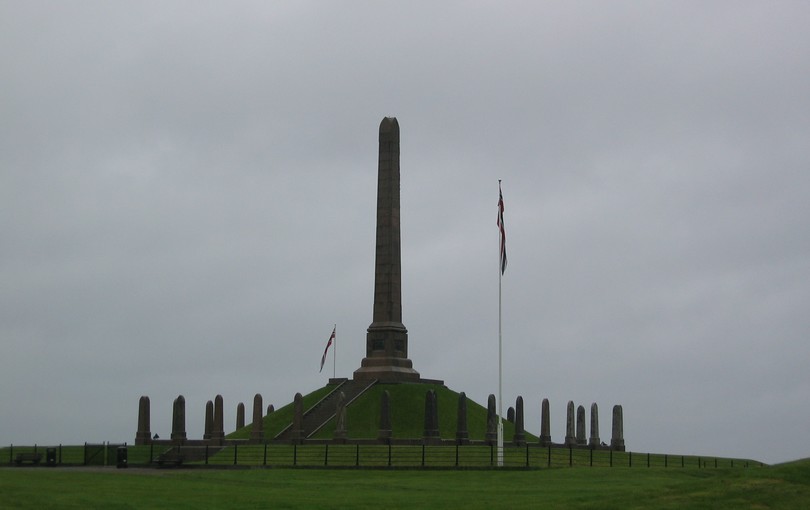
(387, 339)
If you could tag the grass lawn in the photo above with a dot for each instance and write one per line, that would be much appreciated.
(782, 486)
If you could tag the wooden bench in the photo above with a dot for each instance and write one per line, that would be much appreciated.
(31, 457)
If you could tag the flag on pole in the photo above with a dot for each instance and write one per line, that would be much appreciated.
(328, 344)
(501, 228)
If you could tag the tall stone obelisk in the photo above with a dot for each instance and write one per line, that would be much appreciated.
(387, 339)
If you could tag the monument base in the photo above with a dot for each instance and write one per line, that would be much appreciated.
(386, 370)
(386, 355)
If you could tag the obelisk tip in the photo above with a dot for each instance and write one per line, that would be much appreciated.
(389, 124)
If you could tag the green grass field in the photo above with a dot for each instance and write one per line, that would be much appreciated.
(781, 486)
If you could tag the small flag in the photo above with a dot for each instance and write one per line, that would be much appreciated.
(328, 344)
(501, 228)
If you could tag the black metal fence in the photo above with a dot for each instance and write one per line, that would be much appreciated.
(353, 456)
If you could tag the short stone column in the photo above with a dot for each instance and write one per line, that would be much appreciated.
(581, 426)
(257, 427)
(218, 431)
(462, 436)
(519, 439)
(240, 416)
(179, 420)
(384, 432)
(270, 409)
(341, 434)
(431, 417)
(545, 424)
(143, 435)
(570, 437)
(297, 431)
(617, 436)
(209, 420)
(594, 441)
(510, 414)
(492, 421)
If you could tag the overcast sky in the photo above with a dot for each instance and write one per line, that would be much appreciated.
(188, 193)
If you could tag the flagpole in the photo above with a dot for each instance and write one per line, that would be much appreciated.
(500, 345)
(334, 355)
(500, 376)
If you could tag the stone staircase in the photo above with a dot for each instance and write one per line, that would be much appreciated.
(317, 416)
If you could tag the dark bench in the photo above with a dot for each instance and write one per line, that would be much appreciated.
(31, 457)
(170, 457)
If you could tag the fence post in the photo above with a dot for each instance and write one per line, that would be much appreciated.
(85, 453)
(264, 461)
(456, 454)
(326, 455)
(666, 460)
(630, 459)
(389, 453)
(235, 449)
(715, 462)
(60, 453)
(357, 455)
(423, 455)
(11, 453)
(682, 464)
(490, 456)
(611, 457)
(295, 454)
(570, 456)
(699, 462)
(648, 459)
(591, 461)
(549, 455)
(206, 455)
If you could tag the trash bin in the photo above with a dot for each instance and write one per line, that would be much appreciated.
(50, 456)
(121, 457)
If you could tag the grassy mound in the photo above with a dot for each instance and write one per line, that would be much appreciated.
(407, 402)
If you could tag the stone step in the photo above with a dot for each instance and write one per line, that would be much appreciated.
(317, 416)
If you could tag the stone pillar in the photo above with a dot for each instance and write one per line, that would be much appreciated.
(341, 434)
(519, 439)
(387, 339)
(569, 424)
(297, 432)
(462, 436)
(385, 433)
(617, 437)
(257, 429)
(143, 435)
(492, 421)
(581, 425)
(240, 416)
(594, 441)
(431, 417)
(209, 420)
(510, 414)
(270, 409)
(179, 420)
(545, 424)
(218, 432)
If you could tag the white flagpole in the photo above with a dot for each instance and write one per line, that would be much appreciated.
(334, 354)
(500, 375)
(500, 346)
